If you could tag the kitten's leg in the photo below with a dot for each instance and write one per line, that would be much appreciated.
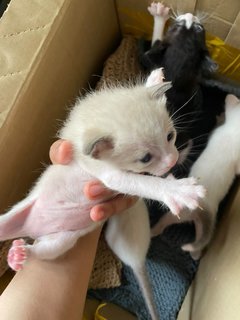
(47, 247)
(167, 220)
(174, 193)
(204, 226)
(128, 235)
(204, 223)
(160, 14)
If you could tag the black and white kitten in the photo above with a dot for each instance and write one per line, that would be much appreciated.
(183, 54)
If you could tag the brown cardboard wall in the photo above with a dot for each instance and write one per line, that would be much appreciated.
(221, 17)
(70, 53)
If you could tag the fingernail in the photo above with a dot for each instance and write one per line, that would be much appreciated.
(101, 215)
(57, 144)
(96, 190)
(98, 215)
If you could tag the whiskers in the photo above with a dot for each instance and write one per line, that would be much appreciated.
(202, 16)
(180, 118)
(179, 109)
(174, 14)
(198, 144)
(182, 121)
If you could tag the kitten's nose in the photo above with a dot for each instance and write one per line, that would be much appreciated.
(171, 161)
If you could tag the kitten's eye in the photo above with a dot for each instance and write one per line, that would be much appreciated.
(146, 158)
(198, 27)
(170, 136)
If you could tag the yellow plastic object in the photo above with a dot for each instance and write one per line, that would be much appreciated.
(227, 57)
(97, 315)
(140, 25)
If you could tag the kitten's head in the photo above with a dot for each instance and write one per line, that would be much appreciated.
(186, 25)
(183, 52)
(136, 136)
(188, 33)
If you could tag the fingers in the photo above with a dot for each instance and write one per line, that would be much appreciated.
(61, 152)
(95, 190)
(116, 205)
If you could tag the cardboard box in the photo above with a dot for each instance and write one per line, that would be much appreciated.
(49, 51)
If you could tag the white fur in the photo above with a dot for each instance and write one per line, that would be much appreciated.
(111, 131)
(216, 169)
(189, 19)
(160, 15)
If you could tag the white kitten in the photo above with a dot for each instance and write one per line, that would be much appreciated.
(117, 134)
(216, 171)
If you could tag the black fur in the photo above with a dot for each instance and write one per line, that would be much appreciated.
(194, 99)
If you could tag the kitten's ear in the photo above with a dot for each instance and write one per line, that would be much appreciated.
(158, 90)
(100, 147)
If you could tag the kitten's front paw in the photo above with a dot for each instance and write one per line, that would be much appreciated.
(158, 9)
(17, 255)
(183, 193)
(156, 77)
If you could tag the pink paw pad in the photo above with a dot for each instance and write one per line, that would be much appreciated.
(17, 255)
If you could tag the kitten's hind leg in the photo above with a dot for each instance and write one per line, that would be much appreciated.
(47, 247)
(128, 235)
(167, 220)
(204, 227)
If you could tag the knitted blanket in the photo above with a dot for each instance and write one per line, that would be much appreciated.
(170, 269)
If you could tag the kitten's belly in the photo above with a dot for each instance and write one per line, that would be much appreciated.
(61, 205)
(65, 216)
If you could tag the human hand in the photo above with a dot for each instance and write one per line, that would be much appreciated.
(61, 152)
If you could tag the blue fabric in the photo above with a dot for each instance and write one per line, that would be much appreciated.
(171, 272)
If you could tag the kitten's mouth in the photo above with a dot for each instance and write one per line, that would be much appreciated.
(145, 173)
(154, 175)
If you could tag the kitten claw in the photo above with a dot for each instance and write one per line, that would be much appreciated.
(17, 255)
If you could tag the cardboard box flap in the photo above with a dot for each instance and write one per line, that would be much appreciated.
(21, 41)
(56, 60)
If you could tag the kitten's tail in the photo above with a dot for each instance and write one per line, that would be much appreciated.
(141, 275)
(204, 222)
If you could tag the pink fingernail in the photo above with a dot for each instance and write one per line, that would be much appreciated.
(96, 190)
